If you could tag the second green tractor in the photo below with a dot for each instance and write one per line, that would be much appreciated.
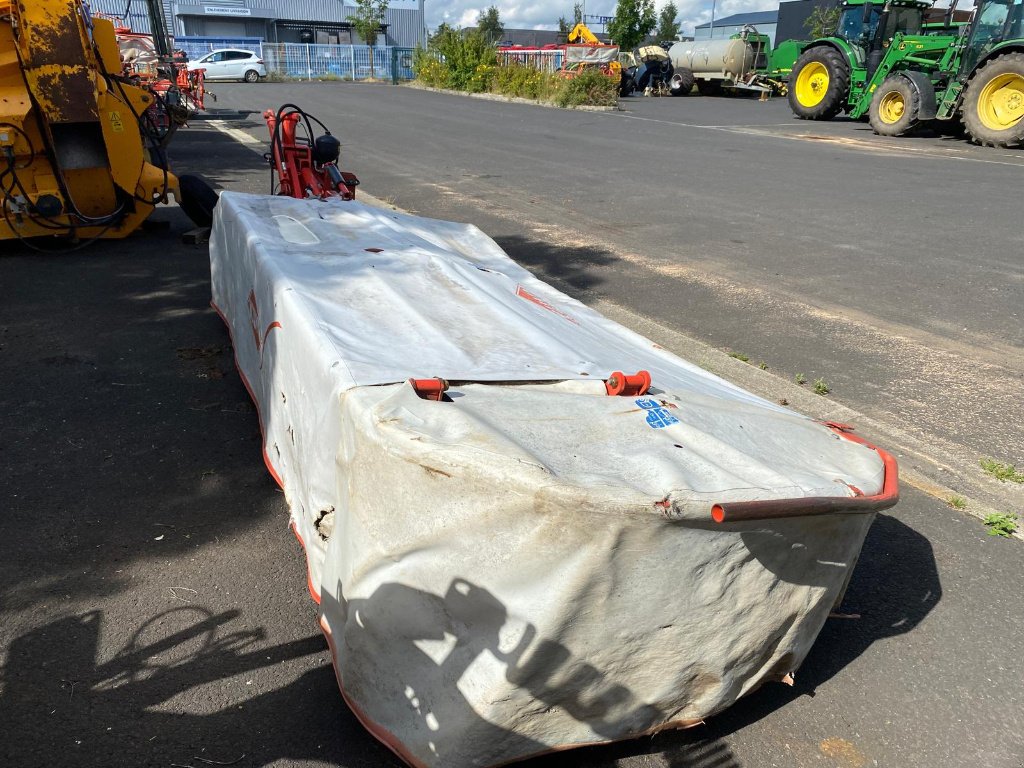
(886, 63)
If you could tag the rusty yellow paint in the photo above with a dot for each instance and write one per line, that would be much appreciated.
(106, 45)
(843, 752)
(50, 74)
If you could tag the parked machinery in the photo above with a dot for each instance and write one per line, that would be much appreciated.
(740, 61)
(647, 69)
(976, 77)
(303, 165)
(830, 71)
(81, 158)
(586, 51)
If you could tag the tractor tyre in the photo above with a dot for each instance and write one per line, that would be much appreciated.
(709, 87)
(895, 107)
(198, 199)
(993, 108)
(819, 84)
(681, 83)
(252, 76)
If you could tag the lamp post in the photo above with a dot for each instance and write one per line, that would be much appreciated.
(711, 30)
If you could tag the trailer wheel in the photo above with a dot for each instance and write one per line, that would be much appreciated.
(709, 87)
(819, 84)
(894, 108)
(681, 83)
(994, 103)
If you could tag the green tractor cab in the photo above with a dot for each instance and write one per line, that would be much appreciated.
(830, 70)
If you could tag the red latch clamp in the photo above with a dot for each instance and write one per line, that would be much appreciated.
(429, 389)
(629, 386)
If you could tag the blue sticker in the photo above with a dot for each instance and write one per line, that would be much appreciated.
(657, 417)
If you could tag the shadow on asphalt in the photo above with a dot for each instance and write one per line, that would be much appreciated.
(120, 711)
(577, 267)
(57, 670)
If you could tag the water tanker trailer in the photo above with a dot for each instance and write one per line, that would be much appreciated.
(744, 61)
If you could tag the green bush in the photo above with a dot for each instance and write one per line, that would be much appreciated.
(456, 60)
(525, 82)
(590, 87)
(468, 62)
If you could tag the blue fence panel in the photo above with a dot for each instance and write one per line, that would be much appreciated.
(310, 61)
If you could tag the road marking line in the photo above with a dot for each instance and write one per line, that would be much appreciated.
(846, 143)
(238, 135)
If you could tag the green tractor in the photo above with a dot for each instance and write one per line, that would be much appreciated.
(976, 76)
(830, 70)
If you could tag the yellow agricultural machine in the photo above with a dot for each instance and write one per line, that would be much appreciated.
(79, 158)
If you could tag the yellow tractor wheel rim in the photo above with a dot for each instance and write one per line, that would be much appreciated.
(812, 84)
(891, 107)
(1001, 103)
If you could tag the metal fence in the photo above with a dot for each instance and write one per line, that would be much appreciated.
(545, 61)
(345, 62)
(200, 46)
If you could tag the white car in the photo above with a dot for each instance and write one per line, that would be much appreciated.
(231, 64)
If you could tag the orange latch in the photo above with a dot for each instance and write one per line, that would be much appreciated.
(629, 386)
(429, 389)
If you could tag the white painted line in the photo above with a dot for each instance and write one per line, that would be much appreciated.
(239, 135)
(841, 142)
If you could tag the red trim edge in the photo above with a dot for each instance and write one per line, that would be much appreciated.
(769, 509)
(266, 456)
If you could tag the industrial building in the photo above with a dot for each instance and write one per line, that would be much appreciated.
(285, 21)
(764, 21)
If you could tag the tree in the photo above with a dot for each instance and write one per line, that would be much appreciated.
(822, 21)
(633, 21)
(563, 26)
(489, 23)
(577, 14)
(668, 27)
(442, 31)
(367, 23)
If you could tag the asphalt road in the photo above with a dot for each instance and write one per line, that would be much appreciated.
(153, 602)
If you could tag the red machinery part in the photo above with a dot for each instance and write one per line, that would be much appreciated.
(429, 389)
(628, 386)
(769, 509)
(299, 176)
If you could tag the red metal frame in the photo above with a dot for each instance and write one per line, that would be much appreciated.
(769, 509)
(298, 174)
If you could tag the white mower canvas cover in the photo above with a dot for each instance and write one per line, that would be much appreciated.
(531, 564)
